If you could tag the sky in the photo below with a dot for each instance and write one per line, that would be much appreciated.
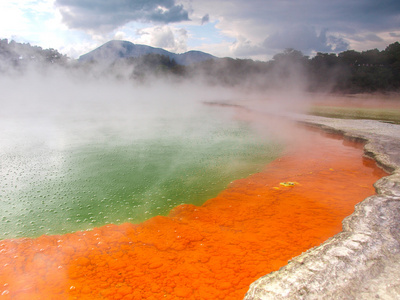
(256, 29)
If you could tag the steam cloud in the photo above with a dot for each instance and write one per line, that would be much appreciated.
(57, 116)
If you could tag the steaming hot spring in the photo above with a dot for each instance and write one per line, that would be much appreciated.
(121, 193)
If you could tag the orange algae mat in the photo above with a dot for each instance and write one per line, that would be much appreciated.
(210, 252)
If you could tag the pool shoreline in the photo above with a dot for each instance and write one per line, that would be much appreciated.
(362, 261)
(214, 251)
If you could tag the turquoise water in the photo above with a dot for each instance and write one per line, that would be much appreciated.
(69, 169)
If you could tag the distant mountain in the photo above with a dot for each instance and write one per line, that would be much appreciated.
(114, 50)
(192, 57)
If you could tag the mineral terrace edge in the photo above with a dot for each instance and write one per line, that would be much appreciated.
(362, 261)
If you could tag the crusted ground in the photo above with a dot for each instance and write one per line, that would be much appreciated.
(363, 261)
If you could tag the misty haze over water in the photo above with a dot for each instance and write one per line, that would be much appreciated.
(86, 144)
(77, 154)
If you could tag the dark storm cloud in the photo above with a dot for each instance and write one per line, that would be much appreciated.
(339, 14)
(371, 37)
(205, 19)
(268, 26)
(106, 15)
(305, 39)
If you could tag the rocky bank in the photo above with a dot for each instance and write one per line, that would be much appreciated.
(362, 261)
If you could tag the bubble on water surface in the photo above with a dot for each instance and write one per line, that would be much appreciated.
(132, 174)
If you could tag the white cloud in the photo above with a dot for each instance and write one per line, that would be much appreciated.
(34, 22)
(259, 28)
(166, 37)
(245, 48)
(12, 19)
(367, 40)
(270, 25)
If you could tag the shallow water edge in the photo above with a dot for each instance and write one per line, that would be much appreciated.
(362, 261)
(213, 251)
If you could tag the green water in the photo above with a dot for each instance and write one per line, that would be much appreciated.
(66, 173)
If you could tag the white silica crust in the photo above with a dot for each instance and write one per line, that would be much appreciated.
(362, 261)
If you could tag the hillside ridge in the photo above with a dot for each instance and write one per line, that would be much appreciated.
(118, 49)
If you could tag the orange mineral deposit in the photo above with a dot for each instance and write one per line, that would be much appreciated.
(213, 251)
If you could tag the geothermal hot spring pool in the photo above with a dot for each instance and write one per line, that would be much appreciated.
(62, 175)
(136, 198)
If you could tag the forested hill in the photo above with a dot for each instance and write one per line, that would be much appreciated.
(349, 71)
(18, 55)
(116, 50)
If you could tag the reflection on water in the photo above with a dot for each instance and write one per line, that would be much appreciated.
(78, 165)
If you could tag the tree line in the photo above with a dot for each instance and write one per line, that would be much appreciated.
(18, 56)
(353, 71)
(349, 71)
